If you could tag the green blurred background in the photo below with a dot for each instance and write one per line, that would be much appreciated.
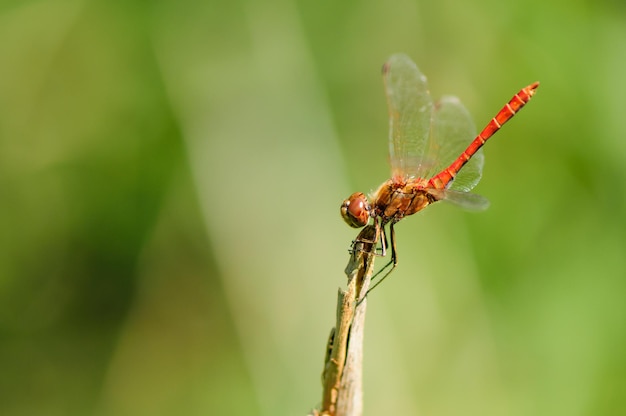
(170, 178)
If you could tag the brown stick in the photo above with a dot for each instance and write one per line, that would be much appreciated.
(342, 376)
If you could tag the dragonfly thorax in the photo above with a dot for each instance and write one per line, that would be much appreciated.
(395, 199)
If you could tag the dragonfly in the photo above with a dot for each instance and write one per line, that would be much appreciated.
(431, 152)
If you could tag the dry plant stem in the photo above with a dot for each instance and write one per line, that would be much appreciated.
(342, 377)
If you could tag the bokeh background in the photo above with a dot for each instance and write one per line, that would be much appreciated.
(170, 178)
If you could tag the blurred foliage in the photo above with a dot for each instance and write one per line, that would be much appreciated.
(170, 176)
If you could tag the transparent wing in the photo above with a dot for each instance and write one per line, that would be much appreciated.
(465, 200)
(452, 131)
(410, 109)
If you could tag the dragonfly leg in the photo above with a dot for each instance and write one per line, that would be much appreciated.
(366, 241)
(383, 242)
(373, 242)
(393, 263)
(394, 255)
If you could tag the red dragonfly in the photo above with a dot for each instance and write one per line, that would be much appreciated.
(428, 151)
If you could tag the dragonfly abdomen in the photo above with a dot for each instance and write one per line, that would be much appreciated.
(518, 101)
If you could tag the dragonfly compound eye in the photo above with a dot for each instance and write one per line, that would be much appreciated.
(356, 210)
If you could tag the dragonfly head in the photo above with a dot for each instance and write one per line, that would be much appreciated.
(356, 210)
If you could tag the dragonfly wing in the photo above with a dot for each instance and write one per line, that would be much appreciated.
(410, 108)
(452, 131)
(465, 200)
